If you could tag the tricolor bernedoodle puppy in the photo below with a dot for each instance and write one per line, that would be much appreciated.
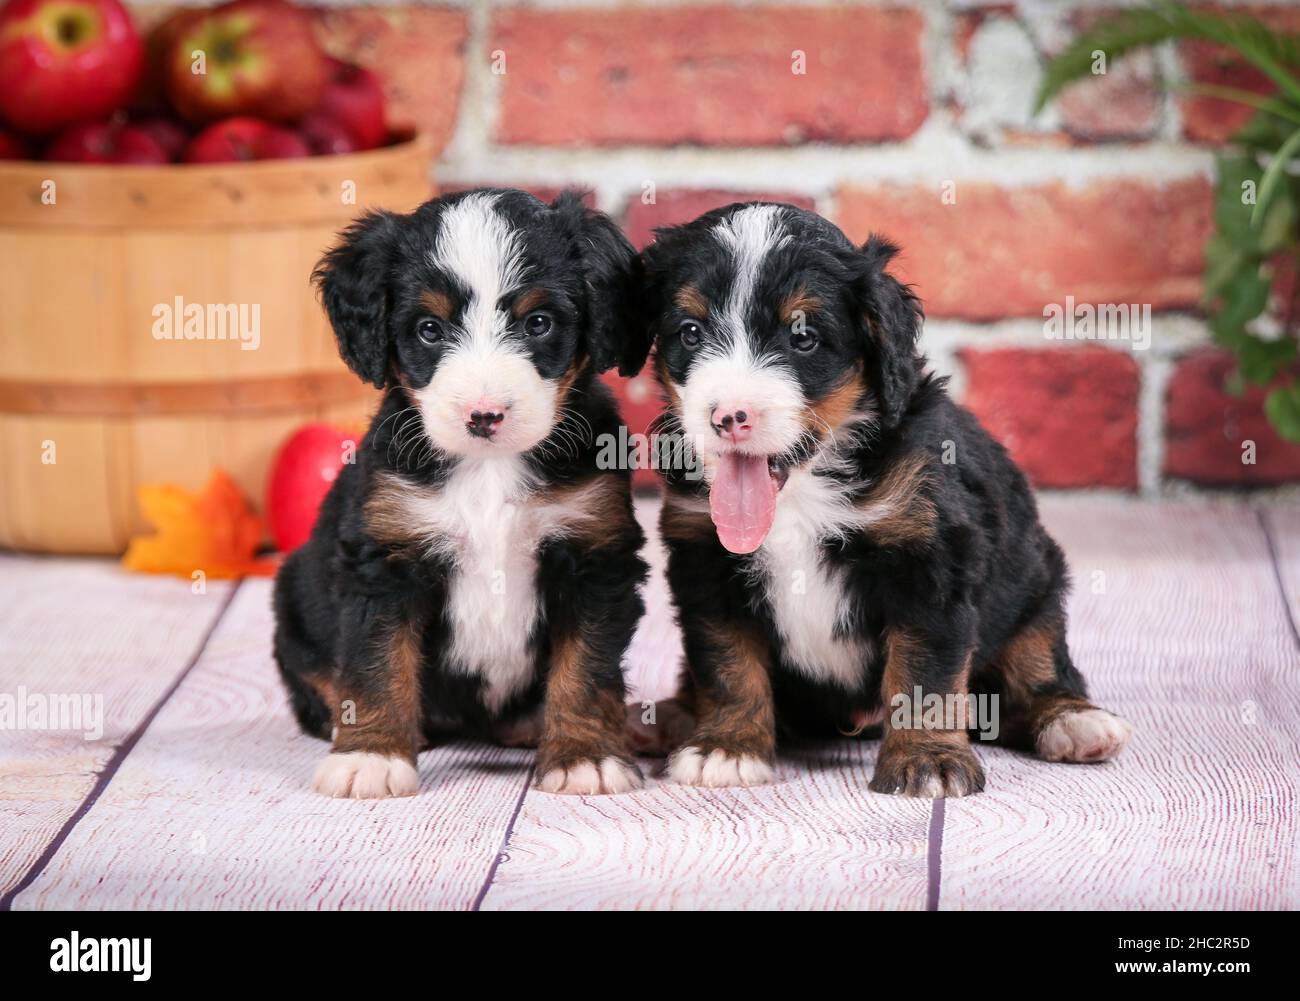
(473, 572)
(853, 538)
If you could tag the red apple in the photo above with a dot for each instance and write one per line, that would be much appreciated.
(65, 61)
(170, 135)
(282, 144)
(106, 142)
(151, 95)
(12, 147)
(249, 57)
(244, 139)
(306, 466)
(355, 98)
(326, 136)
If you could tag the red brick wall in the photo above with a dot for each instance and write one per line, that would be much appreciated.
(911, 120)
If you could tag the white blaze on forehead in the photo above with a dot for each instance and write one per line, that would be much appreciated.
(478, 246)
(728, 367)
(748, 235)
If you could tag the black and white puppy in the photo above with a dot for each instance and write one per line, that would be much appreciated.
(473, 572)
(856, 541)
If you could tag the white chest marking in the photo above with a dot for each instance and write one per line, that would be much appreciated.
(809, 599)
(484, 520)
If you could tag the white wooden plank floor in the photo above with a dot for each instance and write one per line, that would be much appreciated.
(1200, 811)
(80, 627)
(1178, 619)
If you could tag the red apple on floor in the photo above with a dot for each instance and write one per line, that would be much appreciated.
(12, 147)
(65, 61)
(238, 139)
(249, 57)
(355, 98)
(106, 142)
(306, 466)
(326, 136)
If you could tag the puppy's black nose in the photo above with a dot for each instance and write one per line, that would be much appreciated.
(730, 422)
(483, 424)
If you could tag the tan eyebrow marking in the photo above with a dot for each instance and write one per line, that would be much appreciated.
(691, 300)
(437, 303)
(529, 301)
(798, 301)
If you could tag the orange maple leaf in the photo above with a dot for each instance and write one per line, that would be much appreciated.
(212, 531)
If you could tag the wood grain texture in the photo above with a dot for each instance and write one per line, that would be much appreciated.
(81, 627)
(1283, 527)
(213, 808)
(1177, 622)
(180, 196)
(87, 283)
(815, 840)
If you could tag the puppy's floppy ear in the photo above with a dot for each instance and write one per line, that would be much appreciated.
(654, 294)
(611, 271)
(892, 316)
(353, 280)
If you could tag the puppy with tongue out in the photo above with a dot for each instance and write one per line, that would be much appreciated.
(742, 501)
(827, 563)
(742, 497)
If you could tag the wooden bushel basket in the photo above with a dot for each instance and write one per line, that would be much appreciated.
(98, 264)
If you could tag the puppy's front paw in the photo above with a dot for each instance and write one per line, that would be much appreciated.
(589, 777)
(1085, 736)
(718, 769)
(927, 772)
(365, 775)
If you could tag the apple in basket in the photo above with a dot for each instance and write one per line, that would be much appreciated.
(326, 136)
(12, 147)
(170, 135)
(107, 142)
(256, 58)
(354, 98)
(237, 139)
(65, 61)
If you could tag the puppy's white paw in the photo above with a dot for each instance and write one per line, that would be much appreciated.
(1085, 736)
(591, 778)
(365, 775)
(718, 769)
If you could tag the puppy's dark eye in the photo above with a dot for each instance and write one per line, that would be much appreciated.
(538, 324)
(429, 331)
(804, 340)
(690, 332)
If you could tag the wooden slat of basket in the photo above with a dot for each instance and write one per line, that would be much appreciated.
(262, 194)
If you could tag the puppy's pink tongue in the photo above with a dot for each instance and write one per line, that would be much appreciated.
(742, 501)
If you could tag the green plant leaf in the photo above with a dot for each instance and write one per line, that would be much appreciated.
(1231, 211)
(1282, 406)
(1223, 263)
(1260, 360)
(1243, 300)
(1270, 106)
(1269, 51)
(1278, 229)
(1115, 36)
(1274, 174)
(1263, 133)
